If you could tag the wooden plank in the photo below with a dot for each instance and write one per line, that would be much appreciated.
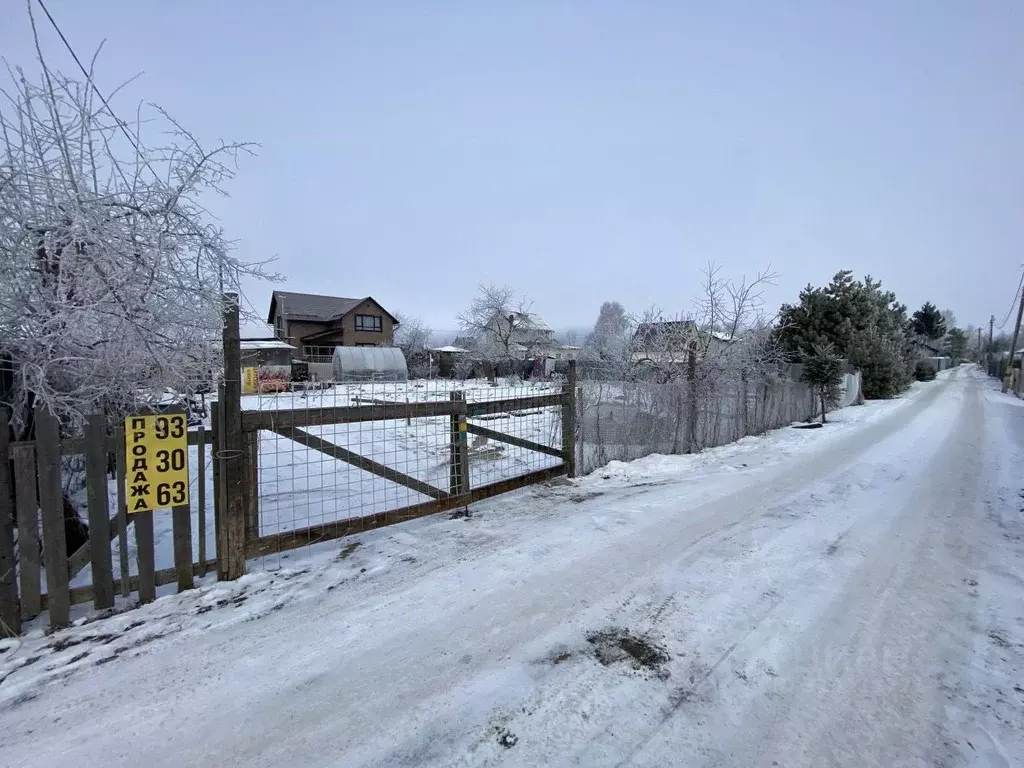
(513, 404)
(99, 523)
(369, 465)
(569, 422)
(218, 485)
(182, 531)
(350, 414)
(316, 534)
(519, 442)
(201, 492)
(124, 565)
(145, 554)
(28, 530)
(162, 577)
(231, 447)
(10, 610)
(51, 505)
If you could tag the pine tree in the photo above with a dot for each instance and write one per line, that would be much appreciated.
(928, 322)
(823, 371)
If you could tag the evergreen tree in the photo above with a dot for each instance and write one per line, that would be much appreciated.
(823, 371)
(928, 322)
(957, 344)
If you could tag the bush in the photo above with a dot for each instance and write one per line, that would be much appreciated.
(924, 371)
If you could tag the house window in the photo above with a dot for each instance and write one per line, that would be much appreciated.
(372, 323)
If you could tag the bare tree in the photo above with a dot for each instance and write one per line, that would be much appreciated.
(500, 325)
(111, 269)
(412, 336)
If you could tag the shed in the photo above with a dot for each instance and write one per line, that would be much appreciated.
(369, 364)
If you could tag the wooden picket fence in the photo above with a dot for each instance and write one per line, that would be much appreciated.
(32, 470)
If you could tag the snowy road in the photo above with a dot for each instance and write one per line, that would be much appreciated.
(854, 598)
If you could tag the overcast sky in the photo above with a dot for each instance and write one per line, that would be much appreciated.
(590, 151)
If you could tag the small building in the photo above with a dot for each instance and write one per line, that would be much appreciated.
(269, 356)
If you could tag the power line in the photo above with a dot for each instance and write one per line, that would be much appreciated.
(89, 79)
(1013, 302)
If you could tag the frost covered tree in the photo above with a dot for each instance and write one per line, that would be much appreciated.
(111, 269)
(412, 336)
(608, 343)
(500, 327)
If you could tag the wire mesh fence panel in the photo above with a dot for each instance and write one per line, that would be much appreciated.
(508, 439)
(342, 458)
(623, 418)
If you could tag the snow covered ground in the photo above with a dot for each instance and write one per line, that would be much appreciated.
(844, 596)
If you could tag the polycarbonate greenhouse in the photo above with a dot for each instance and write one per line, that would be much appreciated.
(369, 364)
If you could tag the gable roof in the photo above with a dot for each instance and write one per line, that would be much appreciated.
(314, 306)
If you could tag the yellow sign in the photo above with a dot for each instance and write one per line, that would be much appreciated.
(250, 380)
(156, 461)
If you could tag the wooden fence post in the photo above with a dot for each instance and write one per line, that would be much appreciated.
(51, 505)
(99, 513)
(691, 393)
(250, 470)
(201, 503)
(10, 610)
(124, 564)
(28, 530)
(569, 422)
(181, 522)
(231, 448)
(220, 547)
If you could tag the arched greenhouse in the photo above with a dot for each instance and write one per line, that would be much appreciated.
(369, 364)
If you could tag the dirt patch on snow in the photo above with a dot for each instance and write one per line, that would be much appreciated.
(620, 645)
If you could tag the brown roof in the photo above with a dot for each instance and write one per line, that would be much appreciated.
(312, 306)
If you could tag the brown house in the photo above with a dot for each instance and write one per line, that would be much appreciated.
(315, 325)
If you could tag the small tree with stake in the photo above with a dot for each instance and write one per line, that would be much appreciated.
(823, 371)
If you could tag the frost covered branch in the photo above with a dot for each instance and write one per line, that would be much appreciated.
(111, 268)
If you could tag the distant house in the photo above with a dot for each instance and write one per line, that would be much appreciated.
(669, 341)
(927, 349)
(518, 335)
(315, 324)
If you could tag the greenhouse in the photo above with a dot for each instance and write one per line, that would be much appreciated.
(369, 364)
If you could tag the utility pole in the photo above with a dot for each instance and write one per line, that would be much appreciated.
(988, 357)
(1013, 345)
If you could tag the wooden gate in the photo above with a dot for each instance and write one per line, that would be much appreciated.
(460, 491)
